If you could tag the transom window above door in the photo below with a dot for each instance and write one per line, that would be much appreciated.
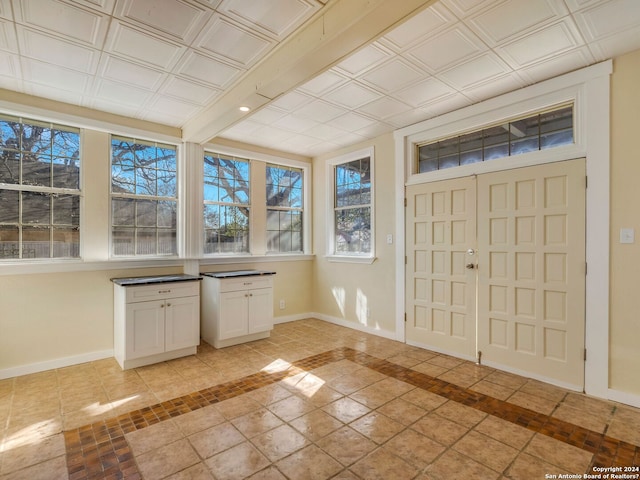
(544, 130)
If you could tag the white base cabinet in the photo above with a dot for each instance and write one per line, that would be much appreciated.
(157, 322)
(236, 309)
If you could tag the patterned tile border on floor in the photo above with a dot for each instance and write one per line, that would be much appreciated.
(100, 450)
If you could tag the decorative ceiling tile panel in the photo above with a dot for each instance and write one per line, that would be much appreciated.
(352, 122)
(143, 47)
(503, 20)
(54, 76)
(384, 107)
(426, 91)
(291, 101)
(9, 67)
(69, 21)
(322, 83)
(176, 18)
(352, 95)
(233, 43)
(426, 23)
(108, 90)
(447, 49)
(604, 18)
(207, 70)
(54, 50)
(8, 37)
(542, 44)
(392, 75)
(480, 69)
(130, 73)
(320, 111)
(364, 59)
(295, 123)
(188, 90)
(277, 18)
(557, 65)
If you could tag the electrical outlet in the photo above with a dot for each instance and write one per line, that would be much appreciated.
(282, 304)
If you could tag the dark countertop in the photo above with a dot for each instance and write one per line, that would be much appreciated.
(238, 273)
(131, 281)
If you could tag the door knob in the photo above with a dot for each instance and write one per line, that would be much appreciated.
(470, 266)
(471, 251)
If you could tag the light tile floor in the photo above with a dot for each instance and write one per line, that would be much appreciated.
(314, 401)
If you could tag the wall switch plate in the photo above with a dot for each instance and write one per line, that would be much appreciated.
(389, 238)
(627, 235)
(282, 305)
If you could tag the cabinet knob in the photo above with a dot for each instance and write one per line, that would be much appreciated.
(168, 304)
(162, 306)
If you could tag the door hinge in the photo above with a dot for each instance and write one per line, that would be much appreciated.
(586, 181)
(405, 201)
(405, 259)
(585, 267)
(405, 317)
(585, 354)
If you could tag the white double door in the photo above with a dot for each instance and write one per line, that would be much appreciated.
(496, 265)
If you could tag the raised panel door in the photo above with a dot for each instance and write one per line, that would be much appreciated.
(441, 237)
(145, 331)
(260, 310)
(234, 316)
(531, 251)
(182, 323)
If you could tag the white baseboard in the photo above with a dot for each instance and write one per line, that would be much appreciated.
(354, 325)
(53, 364)
(292, 318)
(624, 397)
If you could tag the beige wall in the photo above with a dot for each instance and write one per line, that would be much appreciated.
(625, 200)
(344, 291)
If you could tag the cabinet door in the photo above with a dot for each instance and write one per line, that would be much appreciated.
(144, 329)
(182, 323)
(260, 310)
(233, 315)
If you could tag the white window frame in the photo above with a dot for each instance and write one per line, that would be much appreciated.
(178, 197)
(258, 208)
(49, 190)
(331, 255)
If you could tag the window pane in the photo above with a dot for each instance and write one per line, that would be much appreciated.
(9, 242)
(36, 208)
(428, 158)
(353, 230)
(36, 170)
(167, 214)
(471, 148)
(9, 166)
(140, 169)
(123, 211)
(123, 240)
(66, 210)
(36, 242)
(167, 242)
(10, 202)
(66, 242)
(146, 242)
(146, 213)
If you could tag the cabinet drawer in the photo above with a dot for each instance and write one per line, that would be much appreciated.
(161, 291)
(245, 283)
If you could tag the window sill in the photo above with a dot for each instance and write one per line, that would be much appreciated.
(78, 265)
(350, 259)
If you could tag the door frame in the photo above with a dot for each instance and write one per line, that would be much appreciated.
(589, 90)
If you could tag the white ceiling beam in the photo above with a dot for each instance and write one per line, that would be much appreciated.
(339, 29)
